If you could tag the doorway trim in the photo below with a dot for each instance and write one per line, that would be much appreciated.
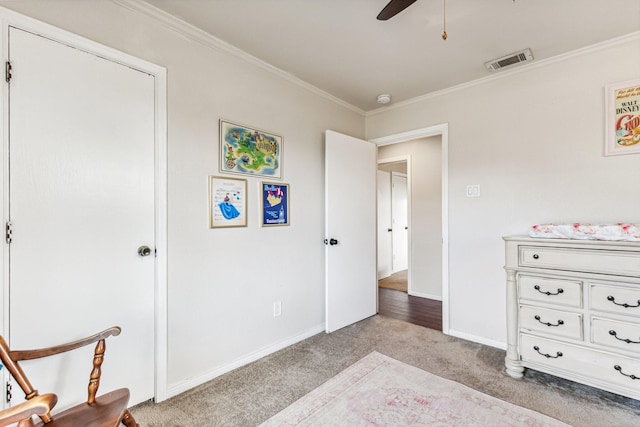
(443, 131)
(406, 159)
(13, 19)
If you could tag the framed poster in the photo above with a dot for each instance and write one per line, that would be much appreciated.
(275, 203)
(227, 202)
(249, 151)
(623, 118)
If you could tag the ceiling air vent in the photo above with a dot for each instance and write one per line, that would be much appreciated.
(509, 60)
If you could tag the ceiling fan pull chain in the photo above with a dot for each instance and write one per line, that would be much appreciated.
(444, 20)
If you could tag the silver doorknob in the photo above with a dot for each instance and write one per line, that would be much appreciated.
(144, 251)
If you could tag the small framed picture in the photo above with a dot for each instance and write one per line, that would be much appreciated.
(623, 118)
(250, 151)
(275, 203)
(227, 202)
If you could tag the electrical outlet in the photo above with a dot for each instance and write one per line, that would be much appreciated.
(277, 308)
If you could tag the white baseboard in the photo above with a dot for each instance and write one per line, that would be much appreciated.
(183, 386)
(428, 296)
(384, 274)
(479, 340)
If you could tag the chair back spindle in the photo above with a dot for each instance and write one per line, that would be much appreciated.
(94, 379)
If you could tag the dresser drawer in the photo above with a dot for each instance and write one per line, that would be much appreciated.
(554, 322)
(595, 261)
(591, 366)
(613, 333)
(551, 291)
(615, 299)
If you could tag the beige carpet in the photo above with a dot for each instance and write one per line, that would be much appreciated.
(397, 281)
(381, 391)
(253, 393)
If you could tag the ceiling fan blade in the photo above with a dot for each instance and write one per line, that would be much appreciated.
(393, 8)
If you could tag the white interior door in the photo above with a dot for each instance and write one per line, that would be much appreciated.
(385, 252)
(350, 213)
(81, 203)
(400, 223)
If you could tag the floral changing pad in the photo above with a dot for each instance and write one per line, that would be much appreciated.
(622, 232)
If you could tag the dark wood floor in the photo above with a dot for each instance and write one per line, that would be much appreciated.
(402, 306)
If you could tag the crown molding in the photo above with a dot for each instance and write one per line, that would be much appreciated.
(194, 33)
(508, 73)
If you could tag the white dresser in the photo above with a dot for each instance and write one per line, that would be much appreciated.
(573, 310)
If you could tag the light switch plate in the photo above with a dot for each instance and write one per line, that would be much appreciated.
(473, 191)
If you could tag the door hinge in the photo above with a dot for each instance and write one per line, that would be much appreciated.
(9, 232)
(7, 71)
(8, 390)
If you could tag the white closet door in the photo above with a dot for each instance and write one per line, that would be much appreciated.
(400, 222)
(385, 249)
(81, 204)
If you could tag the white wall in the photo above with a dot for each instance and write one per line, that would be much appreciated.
(223, 282)
(426, 212)
(400, 167)
(533, 140)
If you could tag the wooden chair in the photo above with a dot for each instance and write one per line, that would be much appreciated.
(108, 410)
(22, 413)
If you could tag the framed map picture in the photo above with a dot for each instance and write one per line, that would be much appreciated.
(275, 204)
(249, 151)
(227, 202)
(623, 118)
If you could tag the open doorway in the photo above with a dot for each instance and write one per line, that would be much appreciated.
(393, 226)
(420, 162)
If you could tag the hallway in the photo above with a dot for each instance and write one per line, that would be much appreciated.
(394, 302)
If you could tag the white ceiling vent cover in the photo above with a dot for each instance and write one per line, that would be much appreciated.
(511, 59)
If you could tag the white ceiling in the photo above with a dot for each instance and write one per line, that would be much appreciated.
(339, 47)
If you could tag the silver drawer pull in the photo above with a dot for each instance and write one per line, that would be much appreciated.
(627, 340)
(548, 356)
(558, 292)
(619, 369)
(625, 305)
(560, 322)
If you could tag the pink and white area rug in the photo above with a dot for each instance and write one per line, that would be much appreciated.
(381, 391)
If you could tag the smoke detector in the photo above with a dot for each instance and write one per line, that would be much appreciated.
(509, 60)
(385, 98)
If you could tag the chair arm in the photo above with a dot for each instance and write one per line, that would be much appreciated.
(39, 405)
(49, 351)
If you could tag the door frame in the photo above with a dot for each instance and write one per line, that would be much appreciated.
(13, 19)
(441, 130)
(406, 159)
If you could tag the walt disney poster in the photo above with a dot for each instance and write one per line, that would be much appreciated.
(275, 204)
